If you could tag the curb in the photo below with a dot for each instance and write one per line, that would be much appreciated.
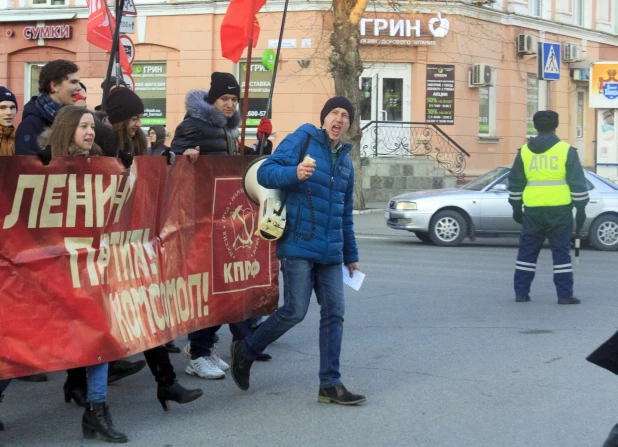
(368, 211)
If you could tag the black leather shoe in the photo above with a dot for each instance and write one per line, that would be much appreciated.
(339, 395)
(522, 298)
(77, 393)
(176, 393)
(569, 300)
(241, 366)
(263, 357)
(172, 348)
(34, 378)
(97, 422)
(124, 368)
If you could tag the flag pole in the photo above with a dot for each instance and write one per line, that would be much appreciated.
(245, 99)
(113, 52)
(272, 82)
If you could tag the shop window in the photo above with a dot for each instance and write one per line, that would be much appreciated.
(48, 2)
(151, 86)
(534, 7)
(33, 72)
(532, 103)
(259, 89)
(578, 12)
(487, 111)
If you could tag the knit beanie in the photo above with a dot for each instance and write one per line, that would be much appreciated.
(222, 84)
(334, 103)
(7, 95)
(112, 82)
(122, 104)
(545, 120)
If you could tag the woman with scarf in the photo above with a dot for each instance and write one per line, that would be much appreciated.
(73, 134)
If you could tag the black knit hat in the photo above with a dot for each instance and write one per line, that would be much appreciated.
(112, 82)
(545, 120)
(222, 84)
(7, 95)
(334, 103)
(122, 104)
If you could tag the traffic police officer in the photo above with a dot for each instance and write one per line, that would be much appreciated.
(548, 179)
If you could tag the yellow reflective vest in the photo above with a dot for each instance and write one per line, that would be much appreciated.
(546, 176)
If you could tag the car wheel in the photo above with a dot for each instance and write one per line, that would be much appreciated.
(604, 233)
(424, 237)
(448, 229)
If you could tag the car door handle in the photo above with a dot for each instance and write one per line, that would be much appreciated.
(594, 201)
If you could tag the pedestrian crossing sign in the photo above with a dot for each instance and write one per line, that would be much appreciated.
(549, 62)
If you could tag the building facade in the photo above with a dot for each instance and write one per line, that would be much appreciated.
(471, 67)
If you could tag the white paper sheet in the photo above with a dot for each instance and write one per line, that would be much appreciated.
(356, 281)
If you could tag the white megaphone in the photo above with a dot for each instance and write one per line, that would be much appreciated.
(271, 218)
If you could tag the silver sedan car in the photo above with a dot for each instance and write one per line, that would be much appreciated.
(447, 216)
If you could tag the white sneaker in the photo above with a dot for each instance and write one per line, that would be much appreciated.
(186, 351)
(216, 358)
(205, 368)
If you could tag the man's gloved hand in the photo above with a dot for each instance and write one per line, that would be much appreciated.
(45, 155)
(171, 156)
(518, 215)
(265, 128)
(580, 219)
(126, 158)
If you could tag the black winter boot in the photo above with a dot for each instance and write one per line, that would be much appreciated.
(77, 393)
(176, 393)
(123, 368)
(339, 395)
(97, 421)
(241, 366)
(1, 424)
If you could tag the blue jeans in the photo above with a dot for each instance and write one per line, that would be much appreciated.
(97, 383)
(300, 278)
(4, 383)
(203, 340)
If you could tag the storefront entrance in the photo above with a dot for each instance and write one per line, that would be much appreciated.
(386, 92)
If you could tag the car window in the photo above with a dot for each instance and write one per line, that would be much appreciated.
(589, 185)
(487, 179)
(604, 180)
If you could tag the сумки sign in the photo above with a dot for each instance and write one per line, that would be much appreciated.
(397, 31)
(47, 32)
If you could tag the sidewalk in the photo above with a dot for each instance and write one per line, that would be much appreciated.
(372, 207)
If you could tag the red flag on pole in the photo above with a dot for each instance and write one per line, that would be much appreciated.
(237, 27)
(99, 34)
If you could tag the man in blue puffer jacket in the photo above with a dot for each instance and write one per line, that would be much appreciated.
(319, 237)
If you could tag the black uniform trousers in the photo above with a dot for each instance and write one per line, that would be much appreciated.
(555, 224)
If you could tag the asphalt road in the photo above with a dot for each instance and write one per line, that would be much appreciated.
(434, 339)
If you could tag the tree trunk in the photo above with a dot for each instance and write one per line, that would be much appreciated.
(346, 67)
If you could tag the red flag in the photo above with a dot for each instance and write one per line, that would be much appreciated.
(100, 31)
(236, 27)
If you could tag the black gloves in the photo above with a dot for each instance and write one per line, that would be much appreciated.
(45, 155)
(518, 215)
(126, 158)
(171, 156)
(580, 218)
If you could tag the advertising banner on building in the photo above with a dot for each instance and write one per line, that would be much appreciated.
(100, 262)
(259, 89)
(604, 85)
(440, 102)
(151, 86)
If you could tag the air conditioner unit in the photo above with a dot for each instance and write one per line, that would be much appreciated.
(572, 53)
(526, 44)
(480, 75)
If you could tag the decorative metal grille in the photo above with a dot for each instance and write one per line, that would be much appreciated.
(406, 139)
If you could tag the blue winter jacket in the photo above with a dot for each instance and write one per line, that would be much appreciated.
(319, 211)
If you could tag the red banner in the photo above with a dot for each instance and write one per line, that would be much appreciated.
(98, 262)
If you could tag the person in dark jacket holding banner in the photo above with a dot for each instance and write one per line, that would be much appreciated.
(211, 124)
(58, 86)
(318, 244)
(547, 179)
(73, 134)
(210, 127)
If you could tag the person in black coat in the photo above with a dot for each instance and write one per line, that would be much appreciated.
(156, 138)
(58, 86)
(211, 124)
